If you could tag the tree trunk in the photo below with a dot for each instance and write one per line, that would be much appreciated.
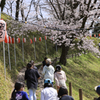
(17, 10)
(2, 4)
(64, 54)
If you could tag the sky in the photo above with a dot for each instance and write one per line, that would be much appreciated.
(26, 4)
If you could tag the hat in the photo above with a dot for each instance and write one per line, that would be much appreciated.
(48, 61)
(97, 89)
(58, 68)
(47, 81)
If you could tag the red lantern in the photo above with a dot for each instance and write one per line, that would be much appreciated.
(10, 40)
(13, 40)
(18, 40)
(34, 39)
(6, 37)
(31, 41)
(2, 30)
(45, 37)
(99, 35)
(24, 40)
(40, 39)
(90, 36)
(76, 38)
(52, 39)
(94, 35)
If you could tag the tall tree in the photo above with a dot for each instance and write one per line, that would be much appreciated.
(72, 16)
(2, 4)
(17, 9)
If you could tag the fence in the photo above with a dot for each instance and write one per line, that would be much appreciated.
(80, 92)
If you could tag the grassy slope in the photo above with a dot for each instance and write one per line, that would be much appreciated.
(6, 89)
(83, 72)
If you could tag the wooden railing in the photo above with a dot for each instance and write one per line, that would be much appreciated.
(80, 92)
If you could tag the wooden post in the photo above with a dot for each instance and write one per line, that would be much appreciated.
(4, 59)
(70, 88)
(22, 49)
(14, 51)
(34, 48)
(80, 94)
(95, 98)
(72, 55)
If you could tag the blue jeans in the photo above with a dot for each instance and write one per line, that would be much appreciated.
(32, 94)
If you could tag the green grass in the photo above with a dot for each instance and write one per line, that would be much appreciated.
(7, 85)
(83, 72)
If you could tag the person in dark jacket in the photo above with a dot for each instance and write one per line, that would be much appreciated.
(97, 89)
(18, 93)
(44, 63)
(31, 77)
(63, 94)
(32, 63)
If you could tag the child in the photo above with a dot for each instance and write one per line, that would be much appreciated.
(63, 94)
(97, 89)
(48, 93)
(18, 93)
(60, 77)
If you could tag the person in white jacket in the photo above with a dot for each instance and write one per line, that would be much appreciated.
(60, 77)
(48, 70)
(48, 93)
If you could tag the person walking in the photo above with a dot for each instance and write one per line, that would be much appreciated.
(18, 92)
(31, 77)
(48, 93)
(48, 71)
(97, 89)
(99, 45)
(44, 63)
(32, 63)
(60, 77)
(63, 94)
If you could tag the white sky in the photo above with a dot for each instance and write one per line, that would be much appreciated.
(26, 4)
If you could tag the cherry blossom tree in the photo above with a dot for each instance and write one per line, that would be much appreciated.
(69, 19)
(72, 19)
(2, 4)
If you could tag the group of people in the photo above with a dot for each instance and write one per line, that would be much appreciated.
(48, 93)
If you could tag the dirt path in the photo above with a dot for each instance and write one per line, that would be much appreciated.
(40, 82)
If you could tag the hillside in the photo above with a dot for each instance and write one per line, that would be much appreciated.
(82, 71)
(11, 75)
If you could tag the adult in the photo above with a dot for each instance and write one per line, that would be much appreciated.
(18, 92)
(99, 45)
(97, 89)
(48, 71)
(32, 63)
(32, 76)
(60, 77)
(48, 93)
(44, 62)
(63, 94)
